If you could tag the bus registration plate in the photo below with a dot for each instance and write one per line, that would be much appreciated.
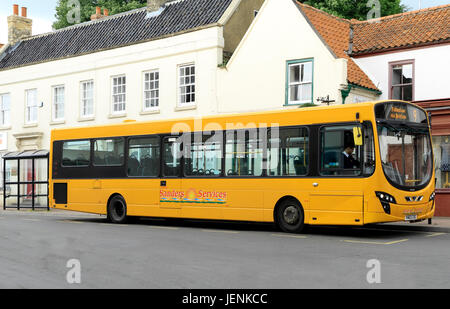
(410, 217)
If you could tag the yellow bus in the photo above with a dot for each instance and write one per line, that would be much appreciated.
(338, 165)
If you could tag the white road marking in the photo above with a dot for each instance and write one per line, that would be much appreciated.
(70, 221)
(435, 234)
(32, 220)
(164, 227)
(375, 242)
(221, 231)
(289, 236)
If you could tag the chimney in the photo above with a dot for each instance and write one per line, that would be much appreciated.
(155, 5)
(98, 13)
(19, 27)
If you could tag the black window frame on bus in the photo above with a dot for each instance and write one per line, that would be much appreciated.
(159, 151)
(365, 126)
(308, 152)
(191, 137)
(122, 164)
(237, 134)
(178, 139)
(61, 163)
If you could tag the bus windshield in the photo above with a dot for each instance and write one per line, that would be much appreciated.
(405, 154)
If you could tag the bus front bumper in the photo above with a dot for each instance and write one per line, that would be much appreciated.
(402, 212)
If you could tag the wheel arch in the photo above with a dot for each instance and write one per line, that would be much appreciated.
(281, 200)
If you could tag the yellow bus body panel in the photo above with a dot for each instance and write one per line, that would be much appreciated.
(335, 201)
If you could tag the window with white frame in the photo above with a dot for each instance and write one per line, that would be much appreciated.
(31, 112)
(187, 85)
(300, 82)
(87, 98)
(151, 90)
(5, 110)
(58, 103)
(119, 97)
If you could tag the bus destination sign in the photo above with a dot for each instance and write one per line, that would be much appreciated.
(398, 113)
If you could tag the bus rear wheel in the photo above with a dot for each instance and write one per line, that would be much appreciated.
(290, 216)
(117, 210)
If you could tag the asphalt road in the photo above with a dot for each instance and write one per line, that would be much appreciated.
(36, 247)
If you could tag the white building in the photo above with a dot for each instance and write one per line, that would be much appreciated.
(148, 65)
(136, 65)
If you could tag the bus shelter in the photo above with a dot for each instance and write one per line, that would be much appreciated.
(25, 180)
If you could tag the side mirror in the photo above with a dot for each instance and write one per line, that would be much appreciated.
(357, 136)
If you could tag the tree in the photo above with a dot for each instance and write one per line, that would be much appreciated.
(357, 9)
(70, 12)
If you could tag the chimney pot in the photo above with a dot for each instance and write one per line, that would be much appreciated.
(106, 12)
(19, 27)
(98, 10)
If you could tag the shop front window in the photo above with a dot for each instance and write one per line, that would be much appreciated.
(442, 159)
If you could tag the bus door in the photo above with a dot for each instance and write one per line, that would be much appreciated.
(337, 196)
(171, 194)
(205, 194)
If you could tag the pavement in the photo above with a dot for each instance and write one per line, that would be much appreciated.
(438, 224)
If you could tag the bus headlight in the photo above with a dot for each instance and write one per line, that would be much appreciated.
(432, 196)
(384, 197)
(386, 201)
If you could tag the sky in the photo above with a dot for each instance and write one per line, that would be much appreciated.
(42, 13)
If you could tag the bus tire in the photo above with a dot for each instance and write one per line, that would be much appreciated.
(117, 210)
(290, 216)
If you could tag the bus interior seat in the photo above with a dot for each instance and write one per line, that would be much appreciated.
(149, 167)
(67, 162)
(134, 167)
(300, 168)
(81, 162)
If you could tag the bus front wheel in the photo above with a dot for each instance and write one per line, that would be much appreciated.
(117, 210)
(290, 216)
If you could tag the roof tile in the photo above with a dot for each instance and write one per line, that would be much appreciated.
(116, 31)
(410, 29)
(336, 34)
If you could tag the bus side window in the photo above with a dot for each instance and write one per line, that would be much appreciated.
(339, 154)
(76, 153)
(369, 150)
(172, 153)
(244, 153)
(109, 152)
(143, 157)
(288, 152)
(203, 157)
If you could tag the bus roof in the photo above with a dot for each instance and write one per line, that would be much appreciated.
(287, 117)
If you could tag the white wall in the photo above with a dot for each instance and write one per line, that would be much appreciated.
(203, 47)
(432, 67)
(255, 77)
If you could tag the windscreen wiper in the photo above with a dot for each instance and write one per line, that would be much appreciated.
(388, 125)
(415, 129)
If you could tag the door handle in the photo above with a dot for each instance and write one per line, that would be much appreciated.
(315, 184)
(163, 183)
